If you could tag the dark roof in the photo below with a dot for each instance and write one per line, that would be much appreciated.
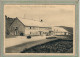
(9, 21)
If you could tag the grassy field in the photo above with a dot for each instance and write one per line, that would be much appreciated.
(57, 46)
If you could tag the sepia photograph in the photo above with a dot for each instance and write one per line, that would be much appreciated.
(39, 29)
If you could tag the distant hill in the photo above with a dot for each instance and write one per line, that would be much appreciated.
(69, 29)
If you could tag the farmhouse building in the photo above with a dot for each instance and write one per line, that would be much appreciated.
(59, 31)
(21, 26)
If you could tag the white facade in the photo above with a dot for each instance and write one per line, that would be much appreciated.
(36, 30)
(35, 27)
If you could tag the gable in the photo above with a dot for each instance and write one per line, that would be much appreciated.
(17, 23)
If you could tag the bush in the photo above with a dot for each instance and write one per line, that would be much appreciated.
(28, 37)
(21, 34)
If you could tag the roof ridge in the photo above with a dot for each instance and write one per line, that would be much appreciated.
(33, 23)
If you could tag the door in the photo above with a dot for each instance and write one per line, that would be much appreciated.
(16, 31)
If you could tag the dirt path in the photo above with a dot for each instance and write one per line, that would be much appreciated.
(21, 47)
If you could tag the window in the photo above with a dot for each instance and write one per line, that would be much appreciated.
(30, 33)
(16, 28)
(30, 27)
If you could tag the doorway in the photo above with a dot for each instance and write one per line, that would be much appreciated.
(16, 31)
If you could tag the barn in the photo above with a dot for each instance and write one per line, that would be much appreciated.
(59, 31)
(24, 27)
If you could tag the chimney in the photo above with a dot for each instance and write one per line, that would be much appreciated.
(16, 18)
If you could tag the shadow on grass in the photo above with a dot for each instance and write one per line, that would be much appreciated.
(57, 46)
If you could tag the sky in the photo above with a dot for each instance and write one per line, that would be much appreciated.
(55, 15)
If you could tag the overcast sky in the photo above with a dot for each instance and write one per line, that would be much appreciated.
(56, 15)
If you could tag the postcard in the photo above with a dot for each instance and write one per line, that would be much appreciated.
(40, 30)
